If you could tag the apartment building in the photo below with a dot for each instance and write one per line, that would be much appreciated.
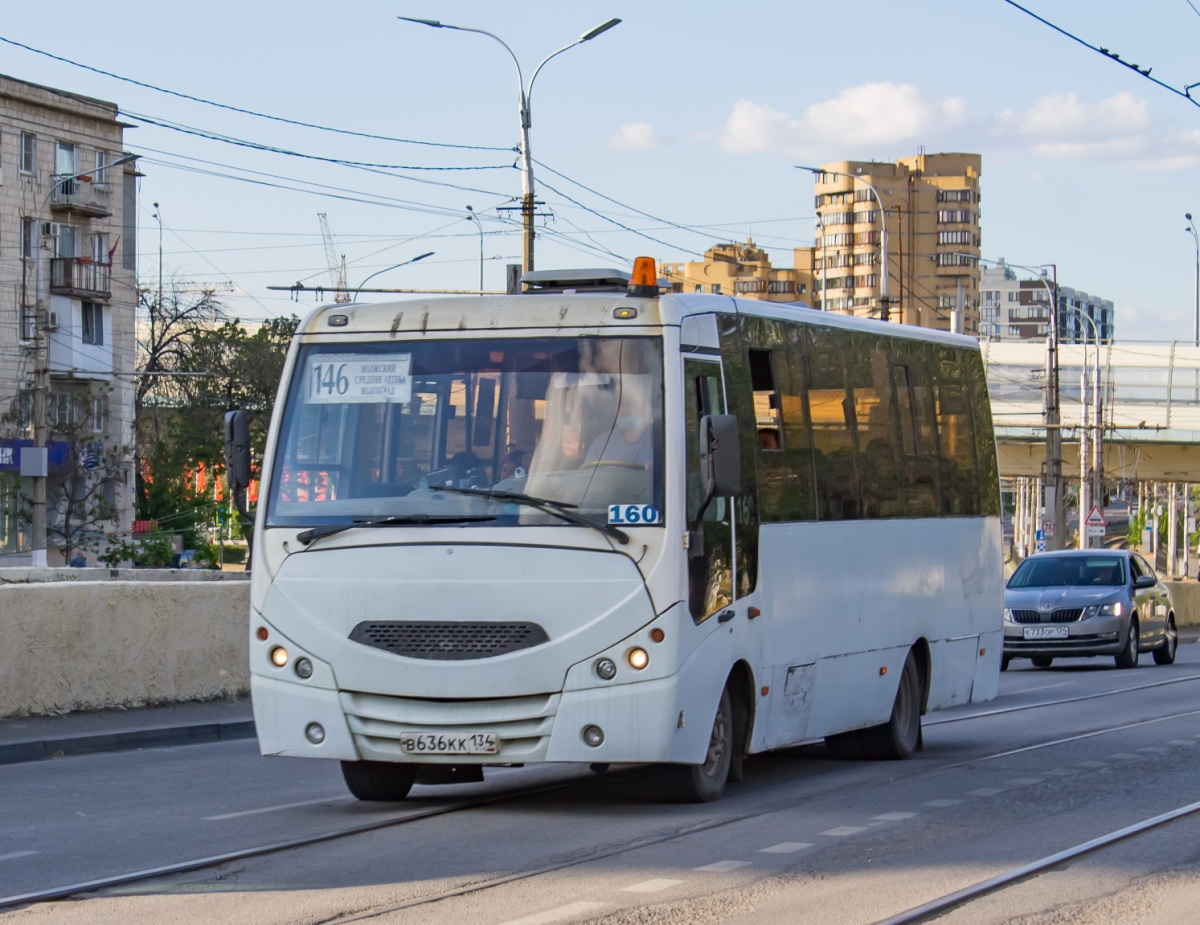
(742, 270)
(924, 212)
(68, 297)
(1019, 309)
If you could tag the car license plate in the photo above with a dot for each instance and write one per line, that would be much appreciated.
(1045, 632)
(449, 743)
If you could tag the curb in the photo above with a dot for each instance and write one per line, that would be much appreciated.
(91, 743)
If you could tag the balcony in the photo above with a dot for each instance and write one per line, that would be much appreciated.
(80, 277)
(88, 198)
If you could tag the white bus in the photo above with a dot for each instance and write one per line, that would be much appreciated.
(595, 523)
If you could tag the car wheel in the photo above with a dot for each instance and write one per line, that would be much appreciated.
(1165, 654)
(703, 783)
(1128, 657)
(1004, 660)
(1042, 661)
(898, 737)
(379, 781)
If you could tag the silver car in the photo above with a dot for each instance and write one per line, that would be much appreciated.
(1087, 602)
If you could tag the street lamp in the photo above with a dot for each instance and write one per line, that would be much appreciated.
(1191, 229)
(41, 385)
(474, 217)
(394, 266)
(883, 276)
(526, 119)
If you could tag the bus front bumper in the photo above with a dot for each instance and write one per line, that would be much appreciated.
(638, 722)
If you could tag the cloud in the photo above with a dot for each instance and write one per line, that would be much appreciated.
(1118, 129)
(638, 136)
(870, 115)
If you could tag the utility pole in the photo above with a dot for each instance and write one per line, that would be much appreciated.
(1055, 509)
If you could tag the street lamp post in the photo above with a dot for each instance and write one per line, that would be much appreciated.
(884, 301)
(394, 266)
(473, 216)
(526, 119)
(41, 385)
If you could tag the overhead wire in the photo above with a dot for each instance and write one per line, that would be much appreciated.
(243, 111)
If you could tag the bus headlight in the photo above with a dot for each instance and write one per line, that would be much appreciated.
(593, 736)
(606, 669)
(315, 733)
(279, 656)
(638, 658)
(304, 668)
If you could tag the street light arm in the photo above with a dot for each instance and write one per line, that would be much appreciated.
(441, 25)
(395, 266)
(586, 37)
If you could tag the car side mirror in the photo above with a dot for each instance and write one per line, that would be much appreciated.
(1144, 581)
(237, 457)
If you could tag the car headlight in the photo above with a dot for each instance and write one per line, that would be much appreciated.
(1113, 609)
(1008, 615)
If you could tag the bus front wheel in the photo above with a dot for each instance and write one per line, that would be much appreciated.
(703, 783)
(378, 781)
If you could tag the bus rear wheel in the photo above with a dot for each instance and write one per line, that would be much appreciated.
(703, 783)
(379, 781)
(898, 737)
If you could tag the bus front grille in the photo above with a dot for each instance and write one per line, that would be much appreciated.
(448, 640)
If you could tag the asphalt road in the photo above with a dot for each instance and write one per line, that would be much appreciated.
(1062, 756)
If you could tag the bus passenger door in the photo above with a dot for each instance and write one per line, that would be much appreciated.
(711, 562)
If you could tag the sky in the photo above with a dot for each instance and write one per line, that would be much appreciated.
(678, 129)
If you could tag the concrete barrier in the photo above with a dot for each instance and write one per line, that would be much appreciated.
(69, 641)
(1185, 595)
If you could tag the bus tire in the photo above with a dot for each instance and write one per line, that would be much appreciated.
(379, 781)
(703, 783)
(899, 736)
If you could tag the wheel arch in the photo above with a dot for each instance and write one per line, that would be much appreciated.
(741, 695)
(924, 659)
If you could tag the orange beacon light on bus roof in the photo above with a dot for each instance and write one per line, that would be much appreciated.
(644, 281)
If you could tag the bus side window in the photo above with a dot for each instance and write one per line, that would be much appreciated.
(876, 427)
(956, 438)
(767, 414)
(834, 453)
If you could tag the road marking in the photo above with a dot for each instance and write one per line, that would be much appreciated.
(13, 855)
(1060, 772)
(271, 809)
(843, 830)
(722, 866)
(1093, 764)
(893, 817)
(985, 792)
(785, 847)
(1155, 749)
(555, 915)
(941, 803)
(1025, 781)
(1125, 756)
(1044, 687)
(651, 886)
(1180, 742)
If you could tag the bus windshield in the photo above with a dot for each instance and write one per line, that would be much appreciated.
(375, 429)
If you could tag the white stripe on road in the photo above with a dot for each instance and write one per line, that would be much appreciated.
(785, 847)
(271, 809)
(1024, 781)
(13, 855)
(1044, 687)
(722, 866)
(556, 915)
(894, 817)
(651, 886)
(843, 830)
(940, 803)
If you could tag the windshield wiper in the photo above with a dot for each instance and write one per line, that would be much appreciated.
(315, 533)
(560, 509)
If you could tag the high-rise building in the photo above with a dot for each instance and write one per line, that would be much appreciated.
(927, 206)
(741, 270)
(68, 296)
(1019, 309)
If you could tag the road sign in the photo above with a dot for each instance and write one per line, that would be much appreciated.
(1048, 527)
(1040, 536)
(1095, 517)
(1041, 546)
(1094, 530)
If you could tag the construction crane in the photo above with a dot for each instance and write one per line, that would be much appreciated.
(337, 265)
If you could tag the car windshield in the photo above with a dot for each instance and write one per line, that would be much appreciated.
(374, 430)
(1064, 571)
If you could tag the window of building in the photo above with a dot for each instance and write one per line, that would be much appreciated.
(28, 236)
(93, 323)
(954, 195)
(863, 195)
(954, 216)
(781, 286)
(716, 288)
(101, 174)
(65, 164)
(750, 285)
(866, 237)
(866, 217)
(28, 152)
(97, 415)
(869, 280)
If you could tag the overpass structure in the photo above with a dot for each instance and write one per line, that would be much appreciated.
(1150, 399)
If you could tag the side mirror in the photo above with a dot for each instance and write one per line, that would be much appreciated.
(237, 457)
(720, 455)
(1144, 581)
